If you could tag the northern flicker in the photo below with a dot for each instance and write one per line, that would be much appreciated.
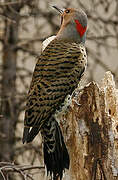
(57, 73)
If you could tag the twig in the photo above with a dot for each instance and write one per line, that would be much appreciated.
(7, 167)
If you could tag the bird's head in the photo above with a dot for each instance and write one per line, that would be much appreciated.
(73, 25)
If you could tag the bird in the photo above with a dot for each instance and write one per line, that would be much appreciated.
(57, 74)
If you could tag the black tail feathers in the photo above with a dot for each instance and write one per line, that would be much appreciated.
(29, 135)
(56, 157)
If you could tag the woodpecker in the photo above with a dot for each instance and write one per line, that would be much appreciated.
(57, 73)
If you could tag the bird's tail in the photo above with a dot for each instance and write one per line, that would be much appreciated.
(29, 135)
(56, 157)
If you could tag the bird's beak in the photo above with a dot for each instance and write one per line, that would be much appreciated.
(58, 9)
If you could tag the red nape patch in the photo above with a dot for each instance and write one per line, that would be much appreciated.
(81, 30)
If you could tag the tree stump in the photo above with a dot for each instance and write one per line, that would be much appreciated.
(90, 129)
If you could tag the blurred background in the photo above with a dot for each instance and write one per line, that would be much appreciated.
(24, 24)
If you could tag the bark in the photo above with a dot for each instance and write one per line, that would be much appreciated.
(90, 128)
(8, 103)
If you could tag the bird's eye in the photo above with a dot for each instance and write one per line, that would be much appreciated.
(67, 11)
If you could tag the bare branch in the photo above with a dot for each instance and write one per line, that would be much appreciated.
(6, 168)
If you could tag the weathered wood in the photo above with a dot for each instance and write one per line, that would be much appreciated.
(90, 128)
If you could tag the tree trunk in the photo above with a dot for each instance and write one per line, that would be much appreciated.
(8, 103)
(90, 128)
